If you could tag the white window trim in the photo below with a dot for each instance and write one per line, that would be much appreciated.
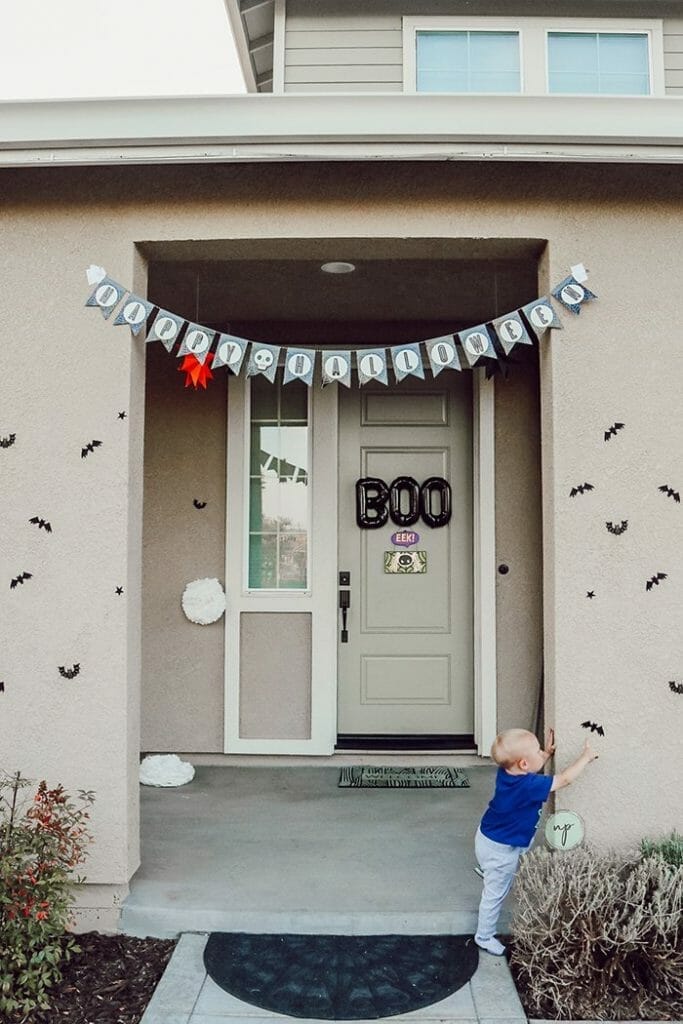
(533, 45)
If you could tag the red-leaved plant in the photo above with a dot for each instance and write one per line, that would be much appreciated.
(42, 841)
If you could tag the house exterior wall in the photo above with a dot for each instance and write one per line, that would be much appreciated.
(354, 47)
(607, 659)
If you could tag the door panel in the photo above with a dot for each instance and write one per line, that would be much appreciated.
(408, 665)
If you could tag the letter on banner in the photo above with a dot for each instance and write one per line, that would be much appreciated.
(165, 328)
(511, 331)
(299, 365)
(542, 316)
(106, 295)
(476, 343)
(407, 359)
(134, 313)
(372, 365)
(336, 367)
(263, 360)
(230, 352)
(443, 354)
(196, 342)
(572, 294)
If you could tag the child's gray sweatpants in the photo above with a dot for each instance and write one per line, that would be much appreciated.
(499, 864)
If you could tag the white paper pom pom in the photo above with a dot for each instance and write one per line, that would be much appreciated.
(165, 770)
(203, 601)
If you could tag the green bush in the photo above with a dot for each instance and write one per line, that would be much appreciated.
(670, 849)
(42, 840)
(598, 936)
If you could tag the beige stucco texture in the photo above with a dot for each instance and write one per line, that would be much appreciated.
(67, 374)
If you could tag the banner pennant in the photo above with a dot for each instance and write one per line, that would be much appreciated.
(542, 316)
(336, 366)
(230, 352)
(476, 343)
(106, 296)
(134, 312)
(510, 331)
(443, 354)
(572, 294)
(165, 328)
(372, 365)
(407, 360)
(197, 341)
(299, 365)
(263, 360)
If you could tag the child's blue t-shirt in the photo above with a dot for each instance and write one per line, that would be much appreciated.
(513, 814)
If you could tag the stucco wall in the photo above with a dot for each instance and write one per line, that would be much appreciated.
(608, 659)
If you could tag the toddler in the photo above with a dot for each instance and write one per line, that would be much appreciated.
(510, 821)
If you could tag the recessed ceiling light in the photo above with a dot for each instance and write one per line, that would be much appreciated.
(338, 267)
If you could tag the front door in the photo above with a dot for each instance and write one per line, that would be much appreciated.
(406, 663)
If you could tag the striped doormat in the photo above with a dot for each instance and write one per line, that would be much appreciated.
(434, 777)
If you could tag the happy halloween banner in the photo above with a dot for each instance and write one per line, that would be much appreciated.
(204, 350)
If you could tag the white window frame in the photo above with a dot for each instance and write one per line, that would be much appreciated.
(533, 46)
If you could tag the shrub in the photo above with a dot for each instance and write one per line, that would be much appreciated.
(598, 937)
(670, 849)
(41, 842)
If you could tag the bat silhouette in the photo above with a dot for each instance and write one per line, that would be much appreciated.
(579, 489)
(90, 447)
(676, 687)
(611, 431)
(42, 524)
(2, 686)
(619, 528)
(654, 580)
(119, 590)
(594, 727)
(7, 442)
(590, 593)
(122, 415)
(69, 673)
(20, 579)
(669, 491)
(199, 504)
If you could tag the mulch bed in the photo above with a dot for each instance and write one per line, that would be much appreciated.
(110, 982)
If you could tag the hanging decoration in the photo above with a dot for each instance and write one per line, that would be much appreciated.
(203, 350)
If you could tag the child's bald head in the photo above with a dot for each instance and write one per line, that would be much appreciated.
(511, 746)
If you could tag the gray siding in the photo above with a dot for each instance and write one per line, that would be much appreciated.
(360, 50)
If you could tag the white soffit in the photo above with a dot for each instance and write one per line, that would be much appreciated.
(252, 23)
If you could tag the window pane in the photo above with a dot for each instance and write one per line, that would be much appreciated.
(278, 487)
(468, 62)
(599, 63)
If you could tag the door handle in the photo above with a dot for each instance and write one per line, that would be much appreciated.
(344, 604)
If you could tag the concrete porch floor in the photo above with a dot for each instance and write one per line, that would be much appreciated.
(283, 849)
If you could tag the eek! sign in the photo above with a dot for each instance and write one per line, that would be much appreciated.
(405, 538)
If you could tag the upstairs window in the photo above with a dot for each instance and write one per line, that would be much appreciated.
(468, 62)
(599, 63)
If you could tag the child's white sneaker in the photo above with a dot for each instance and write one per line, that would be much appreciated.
(477, 870)
(490, 945)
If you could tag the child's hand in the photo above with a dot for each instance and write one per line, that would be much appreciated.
(550, 741)
(588, 752)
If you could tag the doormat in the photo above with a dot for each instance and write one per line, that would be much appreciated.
(435, 777)
(340, 977)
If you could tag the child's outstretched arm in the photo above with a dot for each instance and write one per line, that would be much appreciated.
(566, 777)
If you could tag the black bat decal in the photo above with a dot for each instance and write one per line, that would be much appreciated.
(671, 493)
(69, 673)
(20, 579)
(619, 528)
(119, 590)
(579, 489)
(41, 523)
(122, 415)
(675, 687)
(7, 442)
(90, 447)
(590, 593)
(594, 727)
(654, 580)
(611, 431)
(199, 504)
(2, 686)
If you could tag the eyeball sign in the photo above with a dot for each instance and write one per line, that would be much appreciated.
(372, 495)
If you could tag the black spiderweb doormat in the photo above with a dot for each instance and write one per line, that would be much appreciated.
(340, 977)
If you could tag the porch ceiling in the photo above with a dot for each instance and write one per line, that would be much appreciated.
(458, 291)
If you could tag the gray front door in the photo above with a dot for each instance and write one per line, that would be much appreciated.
(407, 668)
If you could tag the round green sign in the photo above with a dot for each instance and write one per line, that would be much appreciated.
(564, 830)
